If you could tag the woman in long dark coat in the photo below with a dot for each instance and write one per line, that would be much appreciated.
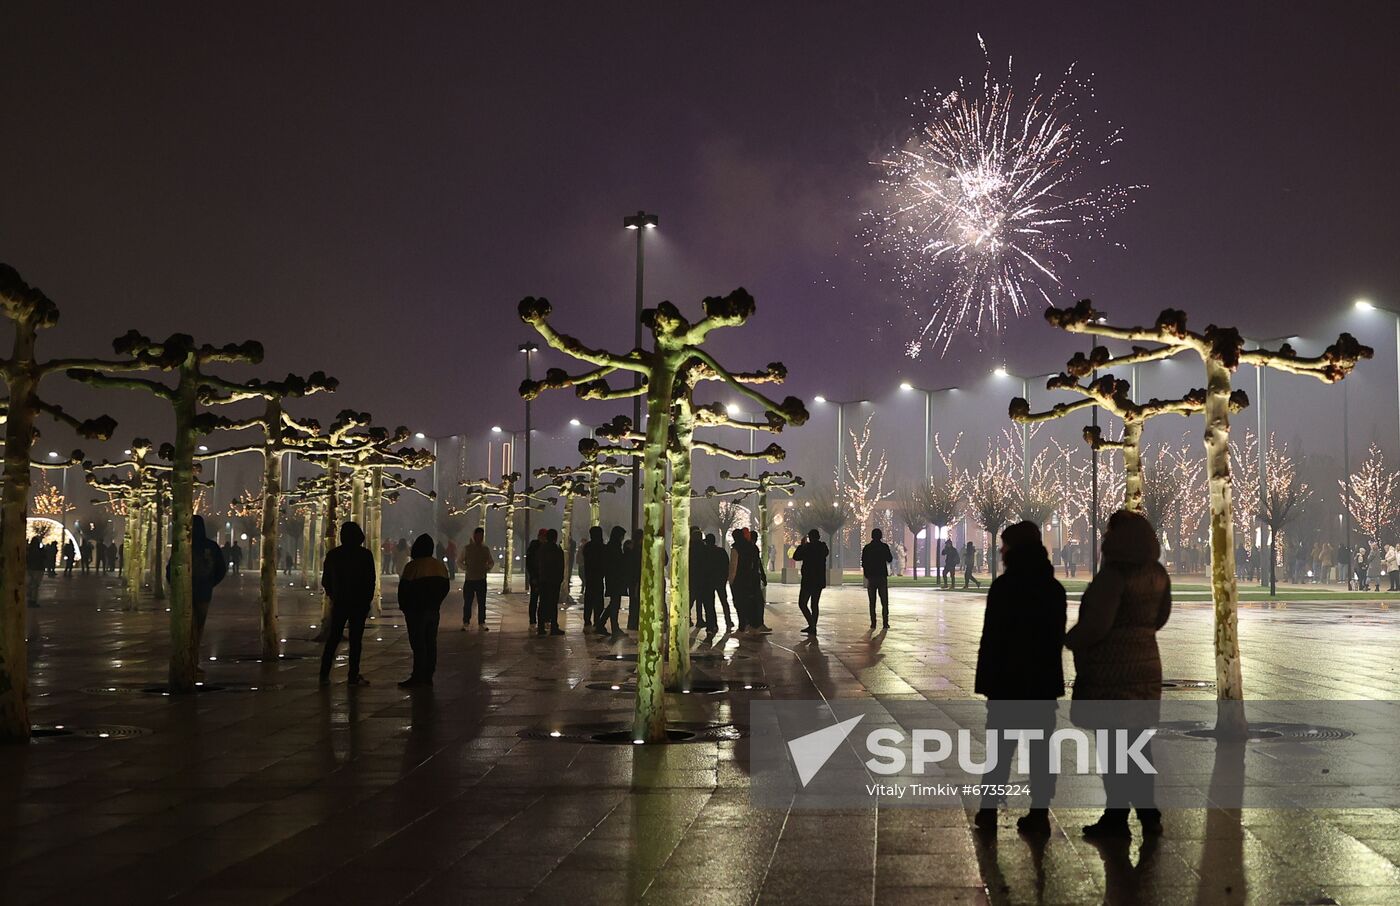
(1116, 657)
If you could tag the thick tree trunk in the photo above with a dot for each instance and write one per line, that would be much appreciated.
(510, 541)
(762, 530)
(1229, 680)
(330, 529)
(1132, 467)
(267, 579)
(158, 549)
(308, 536)
(374, 516)
(649, 713)
(182, 638)
(565, 591)
(131, 548)
(678, 600)
(14, 516)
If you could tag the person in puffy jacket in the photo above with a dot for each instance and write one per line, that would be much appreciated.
(1116, 657)
(348, 576)
(1019, 667)
(423, 586)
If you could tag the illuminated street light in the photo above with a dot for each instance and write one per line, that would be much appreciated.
(1365, 305)
(575, 422)
(641, 223)
(495, 429)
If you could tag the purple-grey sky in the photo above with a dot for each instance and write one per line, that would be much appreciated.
(370, 188)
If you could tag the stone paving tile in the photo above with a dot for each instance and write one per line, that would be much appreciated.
(306, 795)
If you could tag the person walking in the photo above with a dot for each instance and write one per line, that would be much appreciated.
(532, 569)
(237, 561)
(1071, 558)
(950, 565)
(717, 574)
(875, 559)
(35, 561)
(1116, 658)
(86, 555)
(594, 554)
(348, 576)
(551, 573)
(1019, 668)
(969, 563)
(476, 563)
(423, 586)
(70, 554)
(450, 560)
(812, 553)
(615, 580)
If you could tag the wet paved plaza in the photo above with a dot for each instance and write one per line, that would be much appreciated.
(274, 790)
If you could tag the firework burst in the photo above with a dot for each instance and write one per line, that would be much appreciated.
(978, 206)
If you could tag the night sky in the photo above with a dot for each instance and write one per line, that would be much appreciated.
(370, 189)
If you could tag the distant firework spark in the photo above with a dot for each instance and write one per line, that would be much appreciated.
(977, 206)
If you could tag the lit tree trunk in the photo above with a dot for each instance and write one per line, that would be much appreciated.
(1229, 679)
(510, 543)
(649, 715)
(595, 510)
(308, 536)
(678, 653)
(357, 496)
(763, 527)
(375, 518)
(131, 551)
(565, 594)
(329, 531)
(14, 514)
(1132, 463)
(272, 495)
(158, 549)
(182, 640)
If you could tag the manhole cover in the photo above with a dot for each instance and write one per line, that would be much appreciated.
(621, 734)
(113, 731)
(1258, 730)
(613, 687)
(1187, 684)
(258, 659)
(707, 687)
(131, 689)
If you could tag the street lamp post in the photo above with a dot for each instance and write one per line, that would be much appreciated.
(906, 386)
(1261, 413)
(528, 349)
(1025, 380)
(639, 222)
(840, 463)
(736, 412)
(437, 493)
(1367, 305)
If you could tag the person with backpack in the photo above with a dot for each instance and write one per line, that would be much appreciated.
(348, 576)
(812, 553)
(422, 587)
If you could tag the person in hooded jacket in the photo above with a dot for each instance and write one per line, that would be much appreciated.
(422, 587)
(207, 569)
(1116, 657)
(348, 576)
(594, 555)
(1019, 668)
(615, 581)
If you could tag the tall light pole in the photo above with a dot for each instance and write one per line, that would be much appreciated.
(1261, 413)
(527, 349)
(906, 387)
(1368, 305)
(736, 412)
(437, 493)
(1025, 380)
(639, 222)
(840, 461)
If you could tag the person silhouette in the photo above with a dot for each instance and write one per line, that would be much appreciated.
(875, 560)
(812, 553)
(423, 585)
(348, 576)
(1019, 668)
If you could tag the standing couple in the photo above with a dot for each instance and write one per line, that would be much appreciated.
(1115, 659)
